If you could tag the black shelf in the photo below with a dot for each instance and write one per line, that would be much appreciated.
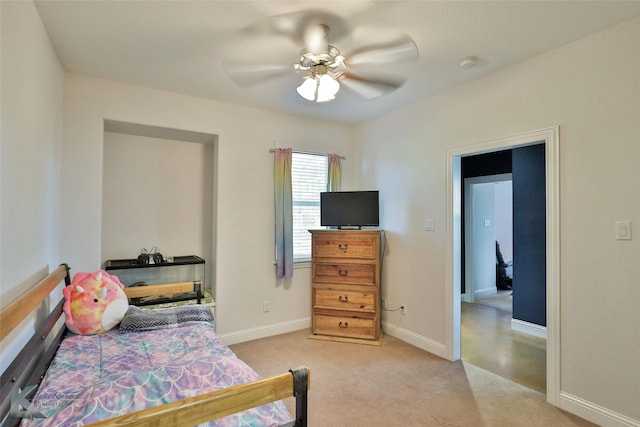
(120, 264)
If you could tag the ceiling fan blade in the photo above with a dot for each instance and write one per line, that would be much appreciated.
(245, 73)
(399, 50)
(370, 88)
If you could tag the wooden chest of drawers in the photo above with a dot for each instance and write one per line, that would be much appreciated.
(345, 277)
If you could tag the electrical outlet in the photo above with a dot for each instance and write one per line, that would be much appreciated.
(383, 300)
(403, 309)
(266, 306)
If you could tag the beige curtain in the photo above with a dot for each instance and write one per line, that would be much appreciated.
(334, 170)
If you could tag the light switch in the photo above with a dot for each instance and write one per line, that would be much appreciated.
(623, 230)
(429, 224)
(487, 222)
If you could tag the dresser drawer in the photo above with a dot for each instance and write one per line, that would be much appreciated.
(340, 247)
(344, 326)
(344, 300)
(357, 274)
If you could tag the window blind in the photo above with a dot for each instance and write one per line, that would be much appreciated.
(308, 180)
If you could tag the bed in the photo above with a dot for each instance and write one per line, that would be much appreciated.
(182, 376)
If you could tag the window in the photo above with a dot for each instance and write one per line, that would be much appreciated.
(308, 180)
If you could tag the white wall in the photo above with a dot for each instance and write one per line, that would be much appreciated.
(245, 273)
(589, 88)
(157, 192)
(31, 133)
(504, 217)
(482, 226)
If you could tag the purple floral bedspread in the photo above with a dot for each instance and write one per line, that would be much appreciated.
(103, 376)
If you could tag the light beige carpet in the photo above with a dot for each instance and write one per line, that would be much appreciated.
(398, 384)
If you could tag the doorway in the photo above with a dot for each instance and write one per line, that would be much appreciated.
(488, 222)
(488, 339)
(549, 137)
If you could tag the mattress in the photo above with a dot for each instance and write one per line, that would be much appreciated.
(102, 376)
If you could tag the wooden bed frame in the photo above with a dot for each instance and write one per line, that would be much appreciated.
(29, 367)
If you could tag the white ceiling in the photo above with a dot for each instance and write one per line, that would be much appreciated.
(179, 45)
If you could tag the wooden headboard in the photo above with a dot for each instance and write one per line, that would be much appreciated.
(23, 306)
(29, 367)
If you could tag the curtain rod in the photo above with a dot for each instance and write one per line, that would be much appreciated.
(273, 150)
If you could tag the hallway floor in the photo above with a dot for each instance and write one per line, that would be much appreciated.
(488, 342)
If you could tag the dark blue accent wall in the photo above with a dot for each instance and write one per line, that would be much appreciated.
(529, 234)
(494, 163)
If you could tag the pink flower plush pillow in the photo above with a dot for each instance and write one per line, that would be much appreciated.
(94, 303)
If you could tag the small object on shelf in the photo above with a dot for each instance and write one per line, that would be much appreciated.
(156, 256)
(143, 258)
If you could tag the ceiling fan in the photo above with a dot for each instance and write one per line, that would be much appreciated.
(367, 70)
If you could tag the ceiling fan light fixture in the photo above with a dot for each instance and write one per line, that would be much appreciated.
(319, 88)
(308, 88)
(327, 88)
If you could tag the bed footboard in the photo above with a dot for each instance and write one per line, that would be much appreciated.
(218, 404)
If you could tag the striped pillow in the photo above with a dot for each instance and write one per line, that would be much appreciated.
(136, 319)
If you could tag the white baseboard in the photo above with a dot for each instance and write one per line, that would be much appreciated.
(595, 413)
(412, 338)
(529, 328)
(480, 293)
(265, 331)
(485, 292)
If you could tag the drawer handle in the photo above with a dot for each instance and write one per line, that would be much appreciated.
(343, 247)
(343, 298)
(343, 325)
(343, 273)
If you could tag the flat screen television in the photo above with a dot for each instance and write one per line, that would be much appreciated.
(349, 209)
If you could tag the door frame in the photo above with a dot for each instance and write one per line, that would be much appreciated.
(550, 138)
